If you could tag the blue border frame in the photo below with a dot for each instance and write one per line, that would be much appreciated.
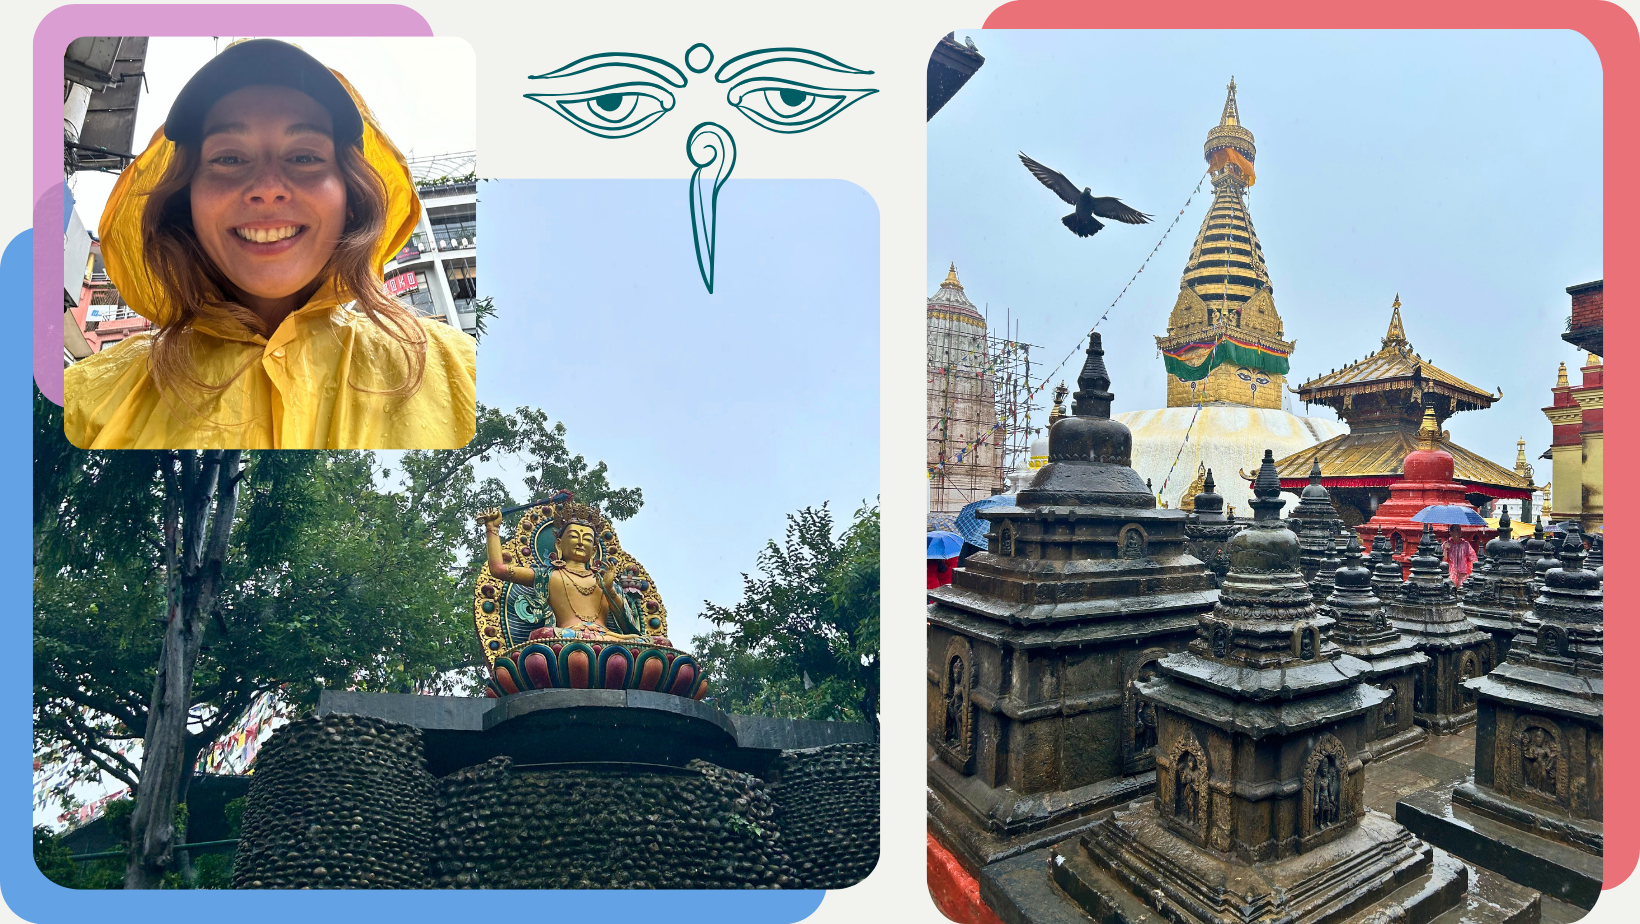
(33, 897)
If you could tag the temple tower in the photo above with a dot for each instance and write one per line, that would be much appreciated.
(961, 403)
(1036, 647)
(1223, 347)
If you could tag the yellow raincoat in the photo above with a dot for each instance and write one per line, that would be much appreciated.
(305, 387)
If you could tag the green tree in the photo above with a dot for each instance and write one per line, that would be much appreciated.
(803, 641)
(330, 574)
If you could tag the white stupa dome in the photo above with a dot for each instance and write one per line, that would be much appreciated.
(1225, 438)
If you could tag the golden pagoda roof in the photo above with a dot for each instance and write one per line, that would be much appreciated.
(1380, 454)
(1394, 367)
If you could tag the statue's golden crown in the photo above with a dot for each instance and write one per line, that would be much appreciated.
(579, 514)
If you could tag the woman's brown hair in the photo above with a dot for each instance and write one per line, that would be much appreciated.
(199, 291)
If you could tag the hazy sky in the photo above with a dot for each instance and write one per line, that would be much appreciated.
(1460, 169)
(422, 90)
(729, 410)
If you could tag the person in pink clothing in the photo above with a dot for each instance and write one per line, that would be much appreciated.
(1460, 555)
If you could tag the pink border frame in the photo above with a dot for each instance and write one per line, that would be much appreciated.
(64, 25)
(1613, 34)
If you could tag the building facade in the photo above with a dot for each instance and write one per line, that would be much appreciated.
(1578, 418)
(436, 273)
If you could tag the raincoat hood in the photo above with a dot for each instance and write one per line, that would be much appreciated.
(121, 225)
(328, 377)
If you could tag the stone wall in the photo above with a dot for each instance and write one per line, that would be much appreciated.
(827, 809)
(615, 826)
(337, 802)
(346, 801)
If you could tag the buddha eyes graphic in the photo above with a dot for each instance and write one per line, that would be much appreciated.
(615, 111)
(623, 109)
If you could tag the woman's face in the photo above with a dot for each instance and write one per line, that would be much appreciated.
(268, 200)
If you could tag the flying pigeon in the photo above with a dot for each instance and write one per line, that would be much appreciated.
(1087, 204)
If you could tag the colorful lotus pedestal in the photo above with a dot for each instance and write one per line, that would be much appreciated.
(567, 659)
(563, 607)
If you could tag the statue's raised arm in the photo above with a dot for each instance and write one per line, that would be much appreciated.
(499, 566)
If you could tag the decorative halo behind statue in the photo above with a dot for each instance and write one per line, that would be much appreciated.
(528, 646)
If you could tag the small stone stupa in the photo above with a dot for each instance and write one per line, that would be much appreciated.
(1211, 529)
(1037, 645)
(1362, 629)
(1497, 597)
(1258, 814)
(1428, 613)
(1539, 769)
(1386, 572)
(1316, 521)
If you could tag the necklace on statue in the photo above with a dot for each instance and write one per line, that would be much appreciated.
(574, 580)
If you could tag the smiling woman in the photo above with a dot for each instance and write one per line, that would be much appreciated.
(253, 232)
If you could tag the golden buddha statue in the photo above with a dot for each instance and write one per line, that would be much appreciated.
(562, 605)
(582, 592)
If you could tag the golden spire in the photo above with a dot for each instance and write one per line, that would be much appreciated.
(1523, 468)
(951, 279)
(1561, 382)
(1231, 115)
(1429, 432)
(1396, 338)
(1058, 404)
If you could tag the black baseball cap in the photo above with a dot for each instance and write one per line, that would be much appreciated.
(254, 62)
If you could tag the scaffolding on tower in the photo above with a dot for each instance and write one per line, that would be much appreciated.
(980, 423)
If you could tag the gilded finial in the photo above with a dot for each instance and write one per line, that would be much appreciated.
(1429, 431)
(951, 278)
(1058, 403)
(1231, 115)
(1561, 381)
(1523, 468)
(1593, 360)
(1396, 337)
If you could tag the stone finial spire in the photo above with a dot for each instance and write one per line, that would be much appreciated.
(1209, 505)
(1093, 397)
(1267, 501)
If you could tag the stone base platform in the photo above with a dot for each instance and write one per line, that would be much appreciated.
(1445, 723)
(1396, 744)
(981, 825)
(1023, 890)
(1558, 870)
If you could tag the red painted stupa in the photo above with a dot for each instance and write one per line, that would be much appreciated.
(1426, 479)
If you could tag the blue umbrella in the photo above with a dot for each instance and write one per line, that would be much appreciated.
(1456, 514)
(972, 528)
(942, 521)
(942, 544)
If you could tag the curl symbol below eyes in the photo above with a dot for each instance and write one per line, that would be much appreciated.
(616, 111)
(788, 106)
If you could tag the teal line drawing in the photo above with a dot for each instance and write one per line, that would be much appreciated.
(623, 108)
(698, 52)
(709, 145)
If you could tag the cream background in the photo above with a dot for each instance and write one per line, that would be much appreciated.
(878, 143)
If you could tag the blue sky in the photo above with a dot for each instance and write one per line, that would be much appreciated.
(730, 410)
(1459, 169)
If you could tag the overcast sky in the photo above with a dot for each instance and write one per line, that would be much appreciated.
(422, 90)
(729, 410)
(1459, 169)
